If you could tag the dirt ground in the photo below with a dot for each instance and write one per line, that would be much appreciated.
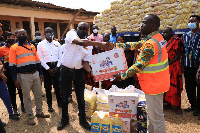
(185, 123)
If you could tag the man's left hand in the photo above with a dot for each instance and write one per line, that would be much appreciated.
(41, 78)
(117, 77)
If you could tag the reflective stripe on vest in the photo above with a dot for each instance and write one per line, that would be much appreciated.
(27, 63)
(26, 54)
(160, 66)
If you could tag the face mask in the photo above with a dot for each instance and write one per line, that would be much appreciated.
(49, 36)
(95, 31)
(10, 41)
(38, 37)
(192, 25)
(82, 34)
(22, 39)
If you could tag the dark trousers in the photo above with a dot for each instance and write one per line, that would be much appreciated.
(48, 80)
(192, 88)
(12, 91)
(66, 78)
(2, 129)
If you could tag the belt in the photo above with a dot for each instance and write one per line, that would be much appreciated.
(71, 69)
(29, 72)
(52, 63)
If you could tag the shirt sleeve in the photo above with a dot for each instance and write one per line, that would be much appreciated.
(12, 63)
(60, 54)
(70, 36)
(146, 54)
(89, 54)
(38, 63)
(130, 45)
(39, 53)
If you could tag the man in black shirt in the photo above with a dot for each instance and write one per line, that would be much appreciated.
(37, 40)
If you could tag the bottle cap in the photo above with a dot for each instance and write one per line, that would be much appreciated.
(116, 116)
(106, 114)
(95, 114)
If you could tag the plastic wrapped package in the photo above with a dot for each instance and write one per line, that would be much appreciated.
(146, 5)
(115, 2)
(126, 2)
(181, 26)
(116, 6)
(169, 1)
(102, 101)
(171, 16)
(149, 10)
(133, 8)
(90, 102)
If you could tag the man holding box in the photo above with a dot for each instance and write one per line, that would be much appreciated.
(152, 70)
(76, 56)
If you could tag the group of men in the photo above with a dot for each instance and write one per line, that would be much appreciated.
(50, 63)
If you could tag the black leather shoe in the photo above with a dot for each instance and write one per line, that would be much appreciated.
(23, 109)
(16, 112)
(13, 117)
(85, 124)
(61, 125)
(189, 109)
(195, 113)
(50, 109)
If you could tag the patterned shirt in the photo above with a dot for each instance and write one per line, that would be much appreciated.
(191, 45)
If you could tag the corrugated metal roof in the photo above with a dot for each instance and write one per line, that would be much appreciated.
(40, 5)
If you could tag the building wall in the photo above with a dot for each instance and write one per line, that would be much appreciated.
(19, 14)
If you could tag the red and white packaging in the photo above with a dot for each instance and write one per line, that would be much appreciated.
(123, 104)
(108, 63)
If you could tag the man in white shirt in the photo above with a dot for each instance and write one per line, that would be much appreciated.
(49, 52)
(76, 56)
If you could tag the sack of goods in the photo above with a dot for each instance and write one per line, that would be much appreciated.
(90, 102)
(102, 100)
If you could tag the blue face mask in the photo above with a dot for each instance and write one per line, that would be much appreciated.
(192, 25)
(38, 37)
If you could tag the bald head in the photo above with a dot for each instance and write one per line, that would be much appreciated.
(84, 24)
(82, 30)
(106, 37)
(150, 23)
(22, 32)
(167, 33)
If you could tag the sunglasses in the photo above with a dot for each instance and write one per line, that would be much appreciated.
(82, 28)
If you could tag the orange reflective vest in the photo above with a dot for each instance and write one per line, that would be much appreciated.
(23, 59)
(155, 78)
(4, 52)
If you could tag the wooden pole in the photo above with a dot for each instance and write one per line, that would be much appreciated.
(72, 20)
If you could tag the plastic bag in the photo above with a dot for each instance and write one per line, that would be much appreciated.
(90, 102)
(102, 100)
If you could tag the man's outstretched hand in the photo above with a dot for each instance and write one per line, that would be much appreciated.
(117, 77)
(107, 45)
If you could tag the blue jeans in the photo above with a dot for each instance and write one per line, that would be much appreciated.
(5, 97)
(66, 77)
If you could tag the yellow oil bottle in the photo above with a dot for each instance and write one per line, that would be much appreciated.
(95, 123)
(106, 124)
(117, 124)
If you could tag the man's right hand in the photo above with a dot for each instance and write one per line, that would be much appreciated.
(17, 84)
(107, 45)
(51, 72)
(4, 77)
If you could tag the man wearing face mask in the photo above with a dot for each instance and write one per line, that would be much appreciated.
(37, 39)
(76, 56)
(49, 52)
(4, 52)
(191, 63)
(26, 71)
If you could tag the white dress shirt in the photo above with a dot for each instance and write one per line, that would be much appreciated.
(49, 52)
(74, 54)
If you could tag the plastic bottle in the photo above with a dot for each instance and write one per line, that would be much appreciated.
(95, 123)
(106, 124)
(117, 124)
